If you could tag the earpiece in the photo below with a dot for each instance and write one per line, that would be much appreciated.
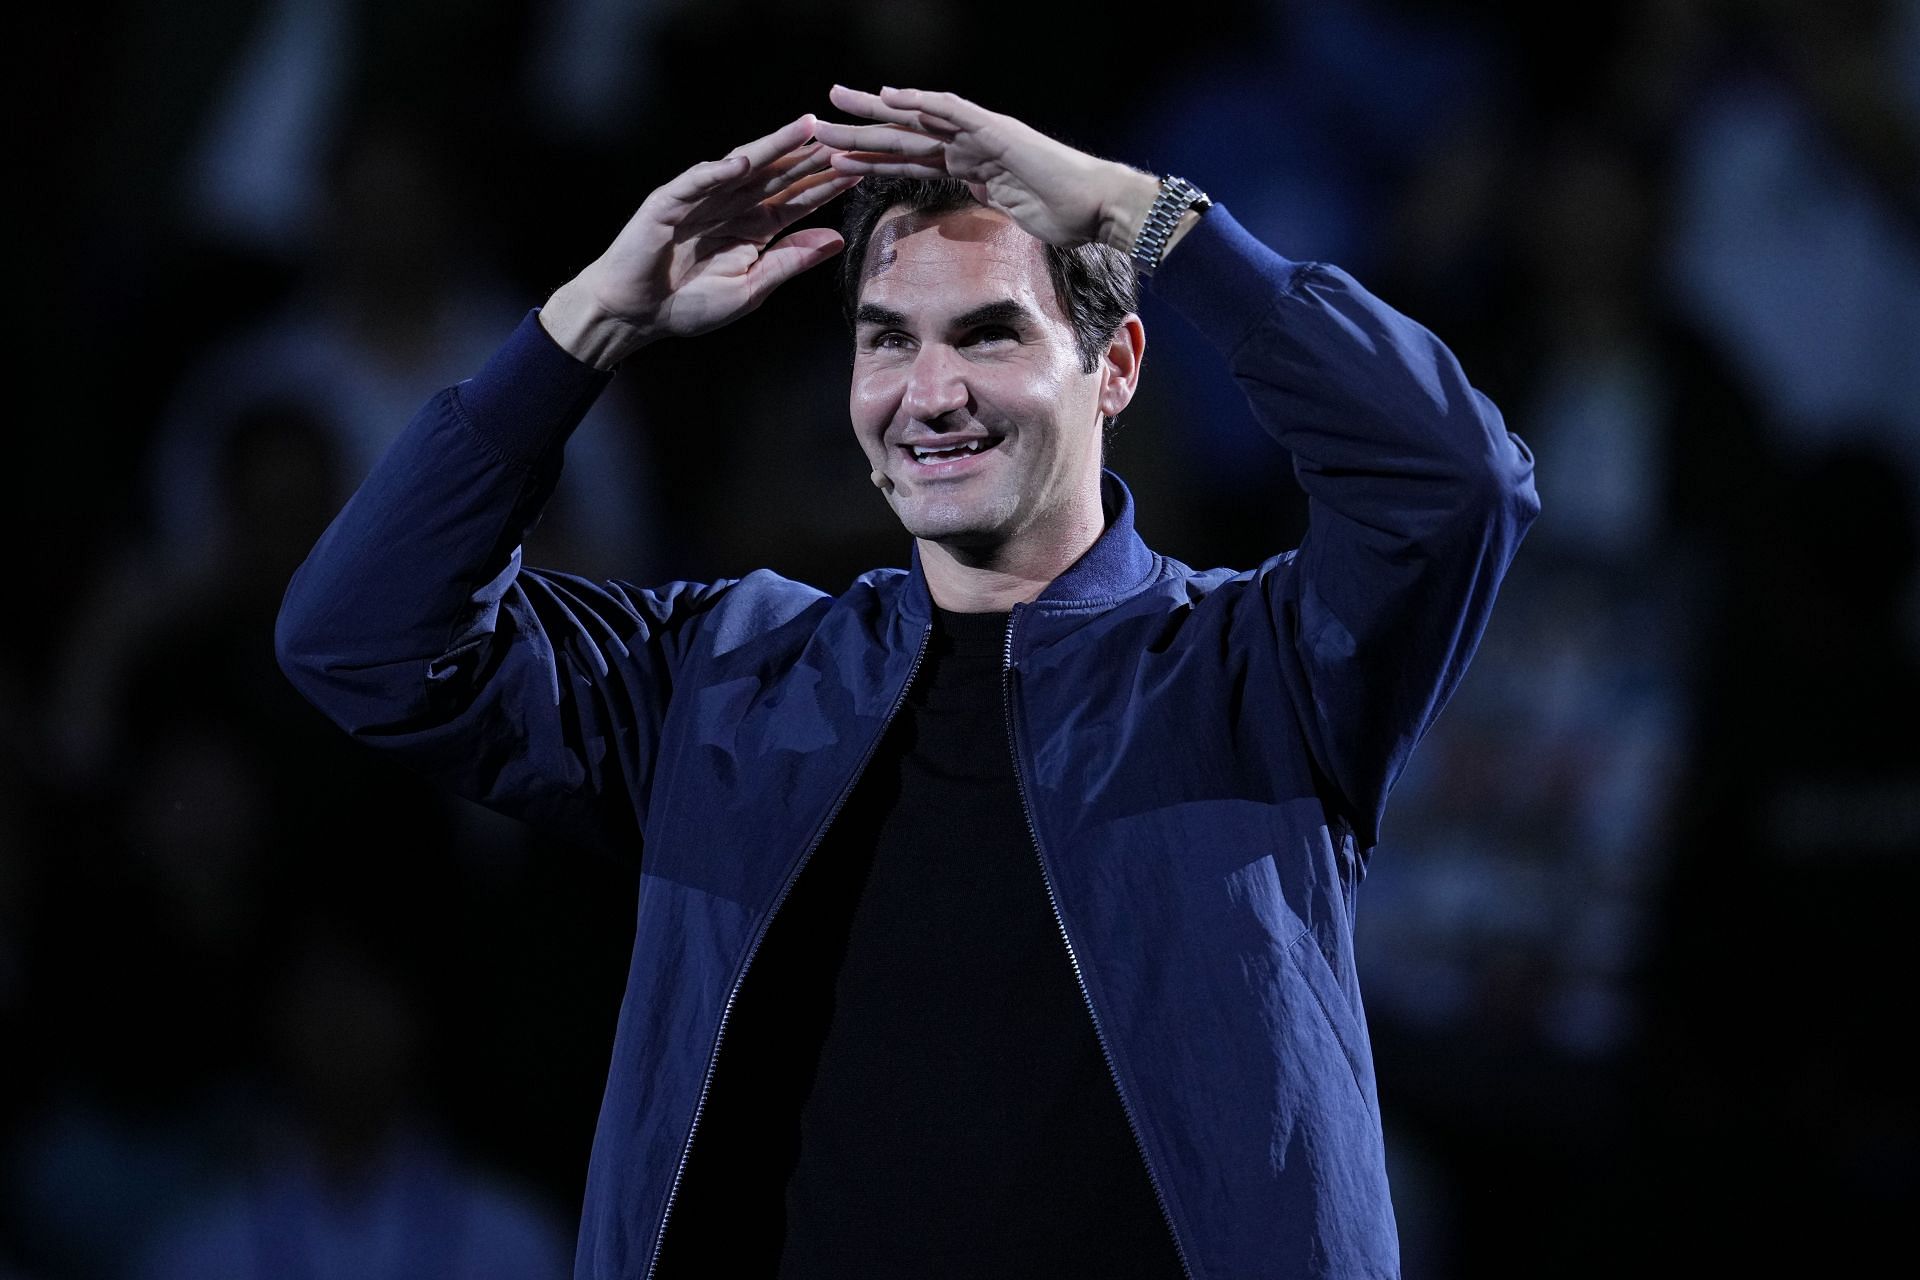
(880, 482)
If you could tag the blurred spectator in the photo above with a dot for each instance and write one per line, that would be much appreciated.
(395, 306)
(1796, 237)
(348, 1181)
(256, 176)
(1514, 900)
(148, 997)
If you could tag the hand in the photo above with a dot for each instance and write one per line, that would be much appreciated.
(695, 255)
(1058, 194)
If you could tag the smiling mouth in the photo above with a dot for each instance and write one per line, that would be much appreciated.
(936, 457)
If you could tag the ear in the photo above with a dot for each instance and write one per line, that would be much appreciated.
(1120, 367)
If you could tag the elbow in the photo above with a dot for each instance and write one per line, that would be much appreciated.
(1485, 472)
(365, 698)
(299, 650)
(1490, 503)
(292, 651)
(286, 637)
(1502, 470)
(1499, 486)
(1511, 488)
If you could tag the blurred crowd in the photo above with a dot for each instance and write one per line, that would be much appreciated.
(1630, 941)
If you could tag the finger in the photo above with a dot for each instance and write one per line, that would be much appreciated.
(782, 262)
(777, 212)
(703, 180)
(812, 191)
(877, 137)
(888, 165)
(866, 104)
(706, 179)
(952, 109)
(764, 150)
(808, 158)
(728, 198)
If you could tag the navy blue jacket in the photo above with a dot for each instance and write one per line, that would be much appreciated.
(1203, 756)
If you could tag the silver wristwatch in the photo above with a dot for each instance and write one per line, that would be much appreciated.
(1177, 195)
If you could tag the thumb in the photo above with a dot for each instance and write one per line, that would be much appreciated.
(785, 259)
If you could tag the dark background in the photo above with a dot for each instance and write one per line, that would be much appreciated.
(1632, 938)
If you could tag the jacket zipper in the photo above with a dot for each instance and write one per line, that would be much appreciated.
(1013, 743)
(713, 1055)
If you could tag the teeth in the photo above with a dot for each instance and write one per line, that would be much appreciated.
(971, 446)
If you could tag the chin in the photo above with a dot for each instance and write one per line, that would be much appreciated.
(954, 534)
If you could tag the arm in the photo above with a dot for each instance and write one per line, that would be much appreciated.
(1417, 497)
(413, 625)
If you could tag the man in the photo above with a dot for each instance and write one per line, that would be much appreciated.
(995, 915)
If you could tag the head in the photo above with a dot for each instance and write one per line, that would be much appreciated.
(965, 325)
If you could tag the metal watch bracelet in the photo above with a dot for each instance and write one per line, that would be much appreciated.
(1177, 195)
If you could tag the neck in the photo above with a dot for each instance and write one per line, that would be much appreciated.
(968, 580)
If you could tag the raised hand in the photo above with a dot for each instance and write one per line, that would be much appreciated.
(1058, 194)
(696, 254)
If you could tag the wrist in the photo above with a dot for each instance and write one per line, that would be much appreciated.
(1125, 212)
(587, 331)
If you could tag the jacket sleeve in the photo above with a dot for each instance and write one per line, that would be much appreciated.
(413, 625)
(1417, 498)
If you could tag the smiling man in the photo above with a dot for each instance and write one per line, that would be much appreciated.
(995, 914)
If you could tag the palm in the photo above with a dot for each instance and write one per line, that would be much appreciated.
(693, 278)
(696, 254)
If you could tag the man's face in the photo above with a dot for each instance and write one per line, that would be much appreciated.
(959, 337)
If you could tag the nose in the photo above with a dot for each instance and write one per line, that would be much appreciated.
(935, 386)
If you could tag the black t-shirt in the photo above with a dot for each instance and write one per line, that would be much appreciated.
(910, 1083)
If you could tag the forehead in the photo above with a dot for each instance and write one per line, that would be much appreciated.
(952, 261)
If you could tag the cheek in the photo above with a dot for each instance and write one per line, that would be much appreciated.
(1060, 378)
(1059, 394)
(1079, 393)
(871, 399)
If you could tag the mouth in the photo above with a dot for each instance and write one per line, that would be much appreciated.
(952, 460)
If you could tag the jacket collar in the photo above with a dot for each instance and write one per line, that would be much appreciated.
(1116, 566)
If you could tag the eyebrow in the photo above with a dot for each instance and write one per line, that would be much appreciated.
(1001, 311)
(870, 314)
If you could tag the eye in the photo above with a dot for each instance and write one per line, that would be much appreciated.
(987, 333)
(887, 339)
